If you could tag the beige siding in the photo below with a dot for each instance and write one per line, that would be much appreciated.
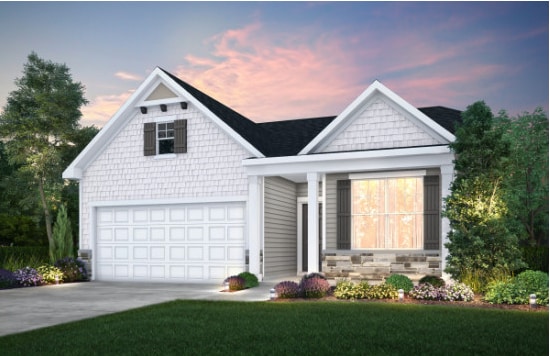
(280, 227)
(301, 190)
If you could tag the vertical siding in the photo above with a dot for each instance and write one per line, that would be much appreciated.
(280, 238)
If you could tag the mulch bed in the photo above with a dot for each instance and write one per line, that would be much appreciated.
(476, 303)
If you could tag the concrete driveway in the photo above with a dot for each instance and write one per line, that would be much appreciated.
(24, 309)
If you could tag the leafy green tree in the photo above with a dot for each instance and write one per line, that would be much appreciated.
(526, 181)
(37, 122)
(479, 238)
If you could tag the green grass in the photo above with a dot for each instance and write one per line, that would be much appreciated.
(301, 328)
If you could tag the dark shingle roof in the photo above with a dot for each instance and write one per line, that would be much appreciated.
(287, 138)
(446, 117)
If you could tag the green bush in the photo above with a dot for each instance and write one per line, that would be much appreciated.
(62, 237)
(346, 290)
(382, 291)
(400, 281)
(517, 291)
(50, 274)
(433, 280)
(250, 279)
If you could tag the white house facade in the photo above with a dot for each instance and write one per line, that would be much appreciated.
(178, 187)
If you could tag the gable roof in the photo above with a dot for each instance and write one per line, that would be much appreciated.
(376, 90)
(270, 139)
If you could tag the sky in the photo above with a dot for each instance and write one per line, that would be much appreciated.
(286, 60)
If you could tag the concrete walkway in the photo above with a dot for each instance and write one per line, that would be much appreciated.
(24, 309)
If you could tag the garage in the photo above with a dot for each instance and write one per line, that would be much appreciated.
(170, 243)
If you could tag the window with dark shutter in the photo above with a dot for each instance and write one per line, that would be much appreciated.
(180, 142)
(431, 213)
(150, 139)
(343, 214)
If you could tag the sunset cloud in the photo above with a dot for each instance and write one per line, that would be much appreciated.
(265, 81)
(128, 76)
(101, 108)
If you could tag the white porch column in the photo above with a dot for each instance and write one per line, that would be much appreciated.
(447, 175)
(255, 225)
(313, 222)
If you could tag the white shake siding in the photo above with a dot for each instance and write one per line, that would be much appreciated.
(379, 126)
(211, 168)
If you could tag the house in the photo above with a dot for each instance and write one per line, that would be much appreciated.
(179, 187)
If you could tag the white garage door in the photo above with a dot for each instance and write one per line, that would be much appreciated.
(170, 243)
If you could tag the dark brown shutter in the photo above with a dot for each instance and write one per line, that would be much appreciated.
(431, 213)
(149, 139)
(180, 136)
(343, 214)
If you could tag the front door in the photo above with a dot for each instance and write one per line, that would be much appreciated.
(304, 237)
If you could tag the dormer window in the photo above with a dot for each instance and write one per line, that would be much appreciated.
(165, 137)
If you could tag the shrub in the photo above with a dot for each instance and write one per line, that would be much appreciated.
(62, 236)
(435, 281)
(235, 283)
(28, 277)
(72, 269)
(517, 291)
(382, 291)
(451, 293)
(426, 291)
(16, 257)
(287, 289)
(50, 274)
(458, 292)
(314, 287)
(250, 279)
(7, 279)
(400, 281)
(346, 290)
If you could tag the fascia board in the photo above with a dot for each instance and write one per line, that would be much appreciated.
(116, 123)
(404, 158)
(222, 125)
(375, 88)
(107, 133)
(336, 123)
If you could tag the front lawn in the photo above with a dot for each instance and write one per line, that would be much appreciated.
(303, 328)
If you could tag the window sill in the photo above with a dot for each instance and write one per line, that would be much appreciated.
(165, 156)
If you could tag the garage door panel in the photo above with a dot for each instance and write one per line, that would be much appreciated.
(195, 233)
(140, 234)
(177, 253)
(177, 233)
(193, 242)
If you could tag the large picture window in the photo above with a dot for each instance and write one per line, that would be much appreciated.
(387, 213)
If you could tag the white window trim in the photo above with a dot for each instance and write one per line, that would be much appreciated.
(382, 175)
(163, 120)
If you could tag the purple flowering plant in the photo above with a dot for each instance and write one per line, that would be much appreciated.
(28, 277)
(7, 279)
(72, 269)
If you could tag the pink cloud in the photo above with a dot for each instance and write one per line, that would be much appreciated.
(100, 109)
(128, 76)
(266, 81)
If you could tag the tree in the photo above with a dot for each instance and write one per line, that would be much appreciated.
(62, 237)
(526, 181)
(37, 122)
(479, 238)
